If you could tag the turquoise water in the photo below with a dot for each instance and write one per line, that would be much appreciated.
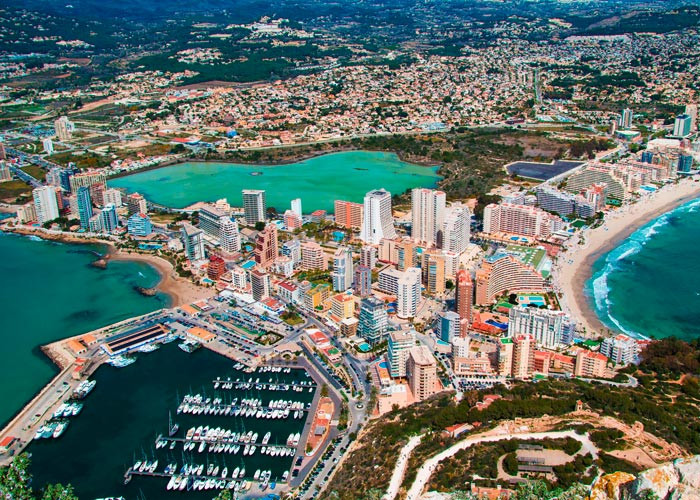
(129, 408)
(50, 291)
(649, 286)
(317, 181)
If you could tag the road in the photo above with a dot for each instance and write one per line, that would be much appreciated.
(427, 469)
(400, 467)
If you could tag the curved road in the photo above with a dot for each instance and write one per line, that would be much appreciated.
(400, 467)
(429, 466)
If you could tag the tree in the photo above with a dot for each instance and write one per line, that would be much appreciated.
(259, 226)
(324, 391)
(15, 481)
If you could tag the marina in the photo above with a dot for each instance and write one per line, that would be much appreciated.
(134, 442)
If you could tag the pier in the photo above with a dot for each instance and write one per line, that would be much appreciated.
(260, 386)
(224, 441)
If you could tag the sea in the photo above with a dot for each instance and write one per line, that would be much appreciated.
(51, 291)
(317, 181)
(649, 285)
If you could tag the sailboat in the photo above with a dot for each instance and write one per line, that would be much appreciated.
(172, 427)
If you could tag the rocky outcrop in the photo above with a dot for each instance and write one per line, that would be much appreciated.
(609, 486)
(677, 480)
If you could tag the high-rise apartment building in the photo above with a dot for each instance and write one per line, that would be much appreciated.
(378, 221)
(342, 269)
(547, 327)
(682, 126)
(261, 284)
(363, 281)
(622, 349)
(427, 215)
(45, 204)
(88, 179)
(405, 254)
(113, 196)
(192, 242)
(464, 296)
(254, 206)
(523, 356)
(266, 248)
(210, 219)
(312, 256)
(449, 326)
(373, 320)
(626, 119)
(292, 249)
(433, 270)
(521, 220)
(84, 201)
(139, 225)
(368, 256)
(136, 204)
(421, 370)
(408, 293)
(296, 207)
(230, 236)
(400, 343)
(108, 218)
(292, 221)
(692, 111)
(456, 229)
(63, 128)
(348, 214)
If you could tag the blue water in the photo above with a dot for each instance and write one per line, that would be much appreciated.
(648, 286)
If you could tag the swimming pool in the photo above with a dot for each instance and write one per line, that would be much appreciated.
(364, 347)
(537, 300)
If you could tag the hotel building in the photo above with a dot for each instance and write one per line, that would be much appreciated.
(378, 221)
(137, 204)
(400, 343)
(342, 269)
(373, 320)
(522, 220)
(547, 327)
(45, 204)
(502, 272)
(456, 229)
(266, 246)
(192, 242)
(254, 206)
(464, 297)
(421, 370)
(230, 236)
(427, 215)
(348, 214)
(312, 256)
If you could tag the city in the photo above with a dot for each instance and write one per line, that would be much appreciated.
(434, 275)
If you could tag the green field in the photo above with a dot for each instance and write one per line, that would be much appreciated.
(10, 190)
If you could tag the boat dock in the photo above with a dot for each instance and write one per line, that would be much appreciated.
(224, 441)
(260, 386)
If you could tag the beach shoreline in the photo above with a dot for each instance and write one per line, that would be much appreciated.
(574, 266)
(180, 290)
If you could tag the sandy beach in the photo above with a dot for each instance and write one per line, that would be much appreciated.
(574, 266)
(181, 290)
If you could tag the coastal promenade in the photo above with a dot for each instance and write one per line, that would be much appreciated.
(573, 267)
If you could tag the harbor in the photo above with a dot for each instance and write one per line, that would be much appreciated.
(125, 436)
